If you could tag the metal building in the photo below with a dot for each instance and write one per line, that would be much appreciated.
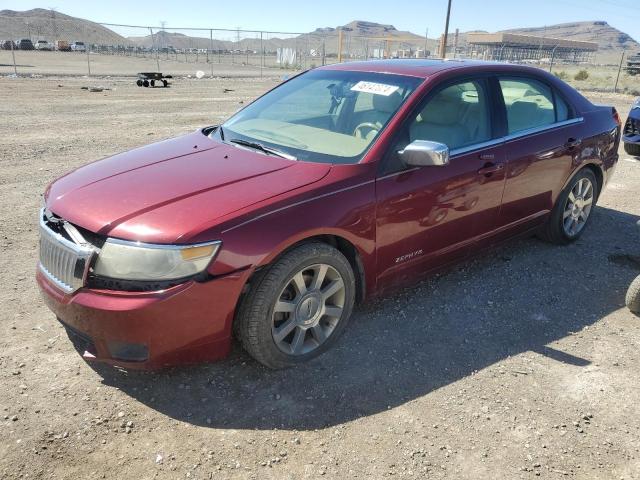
(513, 47)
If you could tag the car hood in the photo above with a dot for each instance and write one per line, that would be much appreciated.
(167, 192)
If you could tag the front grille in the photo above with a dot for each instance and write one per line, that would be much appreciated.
(632, 127)
(62, 261)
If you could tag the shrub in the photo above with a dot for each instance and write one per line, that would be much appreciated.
(562, 75)
(581, 75)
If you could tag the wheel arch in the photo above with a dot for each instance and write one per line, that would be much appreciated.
(599, 174)
(596, 169)
(339, 242)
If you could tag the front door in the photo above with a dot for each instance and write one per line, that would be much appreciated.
(428, 216)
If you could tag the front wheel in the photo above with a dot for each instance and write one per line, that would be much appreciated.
(572, 210)
(632, 299)
(298, 307)
(632, 149)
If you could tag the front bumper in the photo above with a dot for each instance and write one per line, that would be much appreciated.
(188, 323)
(631, 130)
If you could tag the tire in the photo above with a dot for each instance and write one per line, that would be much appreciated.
(139, 82)
(258, 321)
(153, 83)
(555, 230)
(145, 83)
(632, 299)
(632, 149)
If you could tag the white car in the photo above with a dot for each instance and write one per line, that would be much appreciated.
(78, 47)
(43, 45)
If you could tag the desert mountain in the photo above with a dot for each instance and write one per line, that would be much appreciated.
(41, 24)
(606, 36)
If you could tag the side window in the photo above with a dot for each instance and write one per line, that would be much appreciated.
(530, 104)
(457, 116)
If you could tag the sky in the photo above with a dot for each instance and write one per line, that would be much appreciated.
(301, 16)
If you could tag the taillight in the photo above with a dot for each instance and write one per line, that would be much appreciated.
(616, 117)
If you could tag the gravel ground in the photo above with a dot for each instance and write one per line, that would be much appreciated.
(519, 364)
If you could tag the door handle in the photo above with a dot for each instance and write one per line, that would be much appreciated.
(490, 168)
(573, 142)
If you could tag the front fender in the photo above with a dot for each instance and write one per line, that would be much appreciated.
(344, 211)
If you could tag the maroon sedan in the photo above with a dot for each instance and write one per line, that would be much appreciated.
(339, 184)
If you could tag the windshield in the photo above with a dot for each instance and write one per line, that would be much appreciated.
(326, 116)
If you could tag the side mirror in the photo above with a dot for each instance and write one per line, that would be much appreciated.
(424, 153)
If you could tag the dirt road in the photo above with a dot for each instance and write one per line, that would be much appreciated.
(519, 364)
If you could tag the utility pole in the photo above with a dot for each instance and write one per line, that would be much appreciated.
(426, 39)
(55, 27)
(443, 45)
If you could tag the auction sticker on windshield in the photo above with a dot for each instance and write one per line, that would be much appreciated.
(375, 88)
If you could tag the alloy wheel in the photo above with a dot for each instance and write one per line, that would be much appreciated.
(308, 309)
(578, 207)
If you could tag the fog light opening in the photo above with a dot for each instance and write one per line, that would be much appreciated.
(128, 352)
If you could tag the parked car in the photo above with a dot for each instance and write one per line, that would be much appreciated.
(25, 44)
(78, 47)
(43, 45)
(9, 45)
(631, 132)
(63, 46)
(340, 184)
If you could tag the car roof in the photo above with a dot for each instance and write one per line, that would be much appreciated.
(422, 68)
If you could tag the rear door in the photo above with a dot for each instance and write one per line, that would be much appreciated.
(429, 216)
(543, 136)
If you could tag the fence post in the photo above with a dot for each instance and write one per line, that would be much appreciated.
(87, 47)
(340, 46)
(13, 54)
(210, 48)
(261, 55)
(615, 89)
(553, 57)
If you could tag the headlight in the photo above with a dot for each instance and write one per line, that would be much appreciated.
(139, 261)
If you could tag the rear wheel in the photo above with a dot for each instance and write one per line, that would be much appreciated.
(298, 307)
(632, 149)
(572, 210)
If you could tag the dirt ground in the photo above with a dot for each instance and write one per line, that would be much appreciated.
(520, 364)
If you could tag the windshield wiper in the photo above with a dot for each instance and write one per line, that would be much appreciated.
(262, 148)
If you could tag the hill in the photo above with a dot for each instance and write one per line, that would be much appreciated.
(41, 24)
(607, 37)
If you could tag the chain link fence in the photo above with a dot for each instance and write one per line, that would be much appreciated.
(58, 47)
(63, 46)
